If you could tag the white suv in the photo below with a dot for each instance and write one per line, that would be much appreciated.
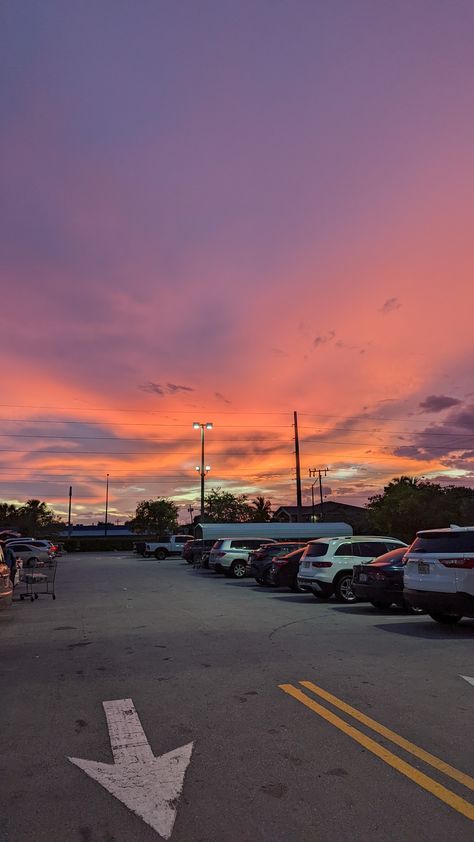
(326, 564)
(230, 555)
(439, 573)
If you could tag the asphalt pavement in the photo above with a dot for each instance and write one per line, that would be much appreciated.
(375, 744)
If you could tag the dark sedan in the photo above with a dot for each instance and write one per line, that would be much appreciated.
(381, 581)
(284, 570)
(260, 561)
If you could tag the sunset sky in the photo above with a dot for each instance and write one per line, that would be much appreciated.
(227, 211)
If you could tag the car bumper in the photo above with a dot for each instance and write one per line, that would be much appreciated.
(315, 586)
(377, 592)
(447, 603)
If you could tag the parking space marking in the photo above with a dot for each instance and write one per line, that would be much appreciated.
(468, 679)
(429, 784)
(411, 748)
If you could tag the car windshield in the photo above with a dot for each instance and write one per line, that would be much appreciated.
(443, 542)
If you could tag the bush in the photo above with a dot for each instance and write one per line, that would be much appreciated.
(98, 544)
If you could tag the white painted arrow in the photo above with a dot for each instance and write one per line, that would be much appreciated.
(149, 786)
(468, 679)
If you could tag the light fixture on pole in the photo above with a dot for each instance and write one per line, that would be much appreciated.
(203, 469)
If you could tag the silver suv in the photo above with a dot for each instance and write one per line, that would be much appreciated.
(230, 555)
(326, 564)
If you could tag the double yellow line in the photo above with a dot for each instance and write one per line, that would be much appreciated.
(436, 789)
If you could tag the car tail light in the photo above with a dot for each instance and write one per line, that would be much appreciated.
(321, 564)
(218, 554)
(460, 563)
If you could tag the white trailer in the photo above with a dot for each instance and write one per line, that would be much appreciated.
(277, 531)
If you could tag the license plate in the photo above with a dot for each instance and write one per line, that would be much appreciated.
(362, 577)
(423, 567)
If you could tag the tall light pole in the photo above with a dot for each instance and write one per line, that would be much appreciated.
(197, 425)
(106, 505)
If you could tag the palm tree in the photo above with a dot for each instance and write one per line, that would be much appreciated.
(261, 510)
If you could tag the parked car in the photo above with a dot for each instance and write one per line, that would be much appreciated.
(230, 555)
(380, 582)
(39, 543)
(260, 561)
(6, 585)
(193, 550)
(284, 570)
(327, 563)
(30, 555)
(439, 573)
(166, 545)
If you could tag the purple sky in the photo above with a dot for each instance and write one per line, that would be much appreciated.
(265, 204)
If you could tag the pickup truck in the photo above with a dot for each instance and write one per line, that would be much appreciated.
(165, 546)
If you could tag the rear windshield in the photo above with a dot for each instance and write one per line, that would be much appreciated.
(315, 550)
(217, 545)
(443, 542)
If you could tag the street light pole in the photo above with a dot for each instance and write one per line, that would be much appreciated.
(106, 505)
(203, 470)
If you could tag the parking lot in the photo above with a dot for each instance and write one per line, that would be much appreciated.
(308, 720)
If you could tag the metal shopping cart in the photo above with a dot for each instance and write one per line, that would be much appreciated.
(37, 579)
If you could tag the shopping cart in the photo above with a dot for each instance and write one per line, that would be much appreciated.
(37, 579)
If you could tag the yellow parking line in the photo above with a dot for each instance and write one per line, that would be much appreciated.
(448, 770)
(436, 789)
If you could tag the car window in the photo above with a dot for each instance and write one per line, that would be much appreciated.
(369, 549)
(317, 549)
(344, 549)
(390, 546)
(446, 542)
(181, 539)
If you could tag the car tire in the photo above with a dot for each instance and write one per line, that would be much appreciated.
(32, 562)
(237, 571)
(446, 619)
(379, 603)
(260, 581)
(160, 555)
(343, 589)
(412, 609)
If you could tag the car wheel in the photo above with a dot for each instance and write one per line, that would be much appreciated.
(378, 603)
(343, 588)
(32, 562)
(160, 555)
(446, 619)
(412, 609)
(238, 570)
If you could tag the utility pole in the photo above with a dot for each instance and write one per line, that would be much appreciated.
(319, 472)
(106, 505)
(298, 467)
(69, 515)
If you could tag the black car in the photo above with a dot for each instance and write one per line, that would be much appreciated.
(260, 561)
(284, 570)
(381, 581)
